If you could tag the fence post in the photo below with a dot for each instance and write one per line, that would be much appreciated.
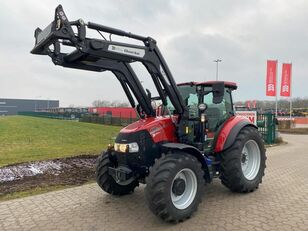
(274, 128)
(270, 128)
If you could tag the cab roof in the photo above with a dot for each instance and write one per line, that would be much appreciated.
(231, 85)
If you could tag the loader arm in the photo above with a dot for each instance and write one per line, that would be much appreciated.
(100, 55)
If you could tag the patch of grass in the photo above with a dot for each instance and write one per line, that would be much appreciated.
(300, 131)
(25, 138)
(35, 191)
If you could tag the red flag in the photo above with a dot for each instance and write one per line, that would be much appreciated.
(285, 89)
(271, 75)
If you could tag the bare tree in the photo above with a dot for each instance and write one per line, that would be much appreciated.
(283, 104)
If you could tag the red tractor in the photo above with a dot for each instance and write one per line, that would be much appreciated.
(176, 148)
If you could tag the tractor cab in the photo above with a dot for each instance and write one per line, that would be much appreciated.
(217, 109)
(217, 112)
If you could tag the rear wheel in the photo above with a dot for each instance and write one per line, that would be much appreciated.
(174, 186)
(243, 164)
(106, 181)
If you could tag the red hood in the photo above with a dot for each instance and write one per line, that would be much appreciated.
(160, 128)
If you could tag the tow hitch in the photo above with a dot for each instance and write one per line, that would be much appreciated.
(122, 175)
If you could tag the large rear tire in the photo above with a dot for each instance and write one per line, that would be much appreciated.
(106, 182)
(174, 186)
(243, 164)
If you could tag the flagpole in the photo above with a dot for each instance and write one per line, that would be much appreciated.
(276, 106)
(291, 108)
(276, 89)
(291, 93)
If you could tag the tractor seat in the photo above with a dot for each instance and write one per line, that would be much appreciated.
(214, 116)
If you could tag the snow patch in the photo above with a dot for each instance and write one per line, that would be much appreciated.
(52, 167)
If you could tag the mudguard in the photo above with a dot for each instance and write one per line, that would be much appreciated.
(227, 134)
(192, 151)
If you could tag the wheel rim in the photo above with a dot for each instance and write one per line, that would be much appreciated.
(183, 197)
(250, 159)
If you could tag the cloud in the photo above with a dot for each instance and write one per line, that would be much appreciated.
(244, 34)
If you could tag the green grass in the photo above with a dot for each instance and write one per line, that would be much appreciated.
(35, 191)
(25, 138)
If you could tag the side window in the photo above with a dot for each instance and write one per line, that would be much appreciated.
(228, 102)
(217, 113)
(225, 107)
(220, 109)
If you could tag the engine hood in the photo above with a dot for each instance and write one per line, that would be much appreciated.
(160, 128)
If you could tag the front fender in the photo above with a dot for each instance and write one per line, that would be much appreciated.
(227, 134)
(166, 147)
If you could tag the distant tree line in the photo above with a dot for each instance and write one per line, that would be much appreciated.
(106, 103)
(282, 103)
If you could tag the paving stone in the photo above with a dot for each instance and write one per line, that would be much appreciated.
(280, 203)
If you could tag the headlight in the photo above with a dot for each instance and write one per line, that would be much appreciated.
(131, 147)
(120, 147)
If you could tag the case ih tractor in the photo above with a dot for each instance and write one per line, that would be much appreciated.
(176, 148)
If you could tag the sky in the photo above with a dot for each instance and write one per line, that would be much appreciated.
(190, 34)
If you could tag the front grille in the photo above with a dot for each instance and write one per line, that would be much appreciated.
(148, 151)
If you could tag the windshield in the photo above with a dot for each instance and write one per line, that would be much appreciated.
(190, 96)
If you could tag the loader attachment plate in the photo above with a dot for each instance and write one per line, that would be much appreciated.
(44, 34)
(59, 28)
(43, 39)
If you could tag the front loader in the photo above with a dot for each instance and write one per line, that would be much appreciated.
(175, 148)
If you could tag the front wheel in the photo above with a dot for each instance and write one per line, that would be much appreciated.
(243, 164)
(106, 182)
(174, 186)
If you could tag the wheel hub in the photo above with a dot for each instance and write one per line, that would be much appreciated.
(178, 187)
(244, 158)
(184, 188)
(250, 159)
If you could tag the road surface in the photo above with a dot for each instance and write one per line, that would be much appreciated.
(281, 203)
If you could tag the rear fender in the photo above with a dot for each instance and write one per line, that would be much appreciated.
(228, 133)
(167, 147)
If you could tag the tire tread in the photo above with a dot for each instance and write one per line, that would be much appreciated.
(231, 173)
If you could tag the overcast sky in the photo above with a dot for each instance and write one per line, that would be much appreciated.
(190, 34)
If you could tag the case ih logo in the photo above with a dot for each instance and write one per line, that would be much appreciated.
(271, 87)
(285, 88)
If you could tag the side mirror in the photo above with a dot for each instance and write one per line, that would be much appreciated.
(218, 92)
